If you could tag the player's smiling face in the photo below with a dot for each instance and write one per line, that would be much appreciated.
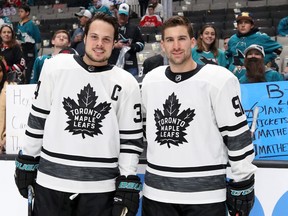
(99, 43)
(177, 45)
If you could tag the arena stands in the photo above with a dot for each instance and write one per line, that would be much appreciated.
(220, 13)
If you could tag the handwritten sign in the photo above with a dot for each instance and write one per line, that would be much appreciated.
(18, 105)
(271, 132)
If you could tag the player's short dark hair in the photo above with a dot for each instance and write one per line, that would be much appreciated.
(178, 21)
(25, 8)
(106, 18)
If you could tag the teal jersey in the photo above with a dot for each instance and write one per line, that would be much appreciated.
(238, 43)
(29, 35)
(203, 58)
(270, 76)
(103, 9)
(37, 67)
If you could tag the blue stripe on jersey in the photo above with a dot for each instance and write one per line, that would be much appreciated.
(188, 169)
(77, 173)
(79, 158)
(200, 184)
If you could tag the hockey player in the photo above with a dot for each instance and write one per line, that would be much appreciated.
(84, 132)
(195, 125)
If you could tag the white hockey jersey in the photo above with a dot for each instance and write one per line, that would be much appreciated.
(86, 125)
(195, 124)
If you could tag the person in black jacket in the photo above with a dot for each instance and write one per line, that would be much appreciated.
(130, 41)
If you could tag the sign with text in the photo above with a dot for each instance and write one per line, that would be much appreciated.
(18, 105)
(271, 130)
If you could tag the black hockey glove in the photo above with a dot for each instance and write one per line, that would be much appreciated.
(126, 198)
(240, 197)
(25, 173)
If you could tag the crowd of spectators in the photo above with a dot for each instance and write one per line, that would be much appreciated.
(20, 46)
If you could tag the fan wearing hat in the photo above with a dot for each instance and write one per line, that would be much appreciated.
(256, 71)
(130, 37)
(247, 34)
(77, 37)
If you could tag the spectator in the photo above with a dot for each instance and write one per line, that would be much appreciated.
(85, 128)
(152, 62)
(282, 28)
(13, 58)
(130, 42)
(60, 40)
(158, 8)
(247, 34)
(143, 6)
(3, 74)
(3, 85)
(225, 42)
(256, 71)
(152, 19)
(4, 20)
(97, 6)
(195, 125)
(206, 51)
(77, 38)
(28, 35)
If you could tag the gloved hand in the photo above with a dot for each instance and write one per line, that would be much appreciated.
(240, 197)
(25, 173)
(127, 195)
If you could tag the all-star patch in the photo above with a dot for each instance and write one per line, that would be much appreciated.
(85, 117)
(171, 124)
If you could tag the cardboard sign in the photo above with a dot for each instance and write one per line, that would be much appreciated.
(271, 130)
(18, 105)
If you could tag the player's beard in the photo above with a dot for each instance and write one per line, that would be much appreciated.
(178, 61)
(255, 69)
(90, 56)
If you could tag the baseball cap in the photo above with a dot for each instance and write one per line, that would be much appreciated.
(245, 16)
(255, 47)
(123, 9)
(85, 13)
(150, 6)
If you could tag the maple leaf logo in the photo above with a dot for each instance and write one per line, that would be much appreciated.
(85, 117)
(170, 125)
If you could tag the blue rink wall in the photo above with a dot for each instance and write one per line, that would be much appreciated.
(271, 188)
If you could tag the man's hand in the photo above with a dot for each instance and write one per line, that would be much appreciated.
(240, 197)
(126, 200)
(25, 173)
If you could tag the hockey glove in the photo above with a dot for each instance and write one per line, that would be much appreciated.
(126, 198)
(25, 173)
(240, 197)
